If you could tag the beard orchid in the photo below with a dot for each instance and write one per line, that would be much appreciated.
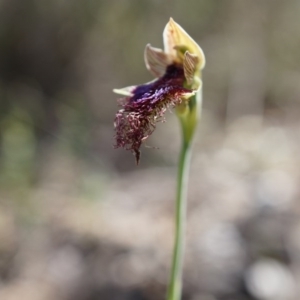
(177, 69)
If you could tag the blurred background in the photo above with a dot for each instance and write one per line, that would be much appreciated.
(79, 220)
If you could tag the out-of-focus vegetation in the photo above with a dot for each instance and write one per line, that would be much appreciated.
(78, 220)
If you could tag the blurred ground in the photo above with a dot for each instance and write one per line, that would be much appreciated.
(78, 220)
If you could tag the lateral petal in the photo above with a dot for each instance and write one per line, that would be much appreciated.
(190, 66)
(156, 60)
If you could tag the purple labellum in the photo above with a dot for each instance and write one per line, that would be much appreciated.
(136, 120)
(170, 83)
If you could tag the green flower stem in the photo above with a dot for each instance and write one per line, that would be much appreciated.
(188, 124)
(175, 286)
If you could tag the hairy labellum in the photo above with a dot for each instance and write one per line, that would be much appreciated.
(147, 105)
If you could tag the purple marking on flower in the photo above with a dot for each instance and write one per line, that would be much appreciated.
(135, 122)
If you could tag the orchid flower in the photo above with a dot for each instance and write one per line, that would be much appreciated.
(177, 69)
